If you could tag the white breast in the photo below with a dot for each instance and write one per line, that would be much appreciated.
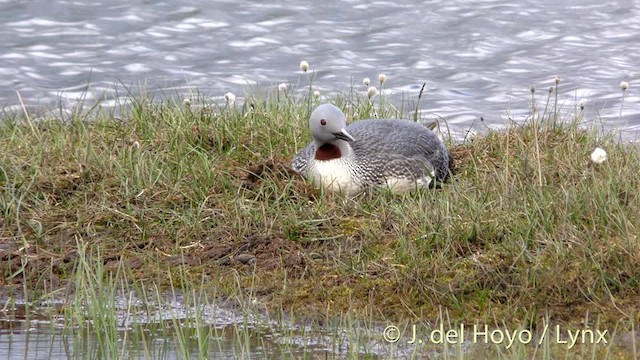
(334, 175)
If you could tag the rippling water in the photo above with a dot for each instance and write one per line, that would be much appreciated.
(478, 58)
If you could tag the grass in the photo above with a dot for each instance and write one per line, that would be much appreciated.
(527, 232)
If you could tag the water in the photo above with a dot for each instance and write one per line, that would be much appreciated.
(478, 58)
(147, 329)
(166, 328)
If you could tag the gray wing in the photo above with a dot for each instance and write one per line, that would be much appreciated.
(402, 144)
(301, 159)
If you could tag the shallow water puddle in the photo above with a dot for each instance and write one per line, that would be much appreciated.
(170, 328)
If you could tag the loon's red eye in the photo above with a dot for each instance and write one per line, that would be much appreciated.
(323, 122)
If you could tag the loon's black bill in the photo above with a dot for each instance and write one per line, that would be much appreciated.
(344, 135)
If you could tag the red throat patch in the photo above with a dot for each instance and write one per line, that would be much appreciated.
(328, 152)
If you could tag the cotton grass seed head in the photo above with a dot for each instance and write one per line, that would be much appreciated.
(304, 66)
(372, 91)
(557, 79)
(316, 94)
(366, 81)
(382, 78)
(624, 85)
(186, 102)
(230, 98)
(598, 155)
(282, 87)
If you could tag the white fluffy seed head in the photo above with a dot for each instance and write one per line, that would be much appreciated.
(471, 136)
(624, 85)
(304, 66)
(316, 94)
(557, 79)
(282, 87)
(382, 78)
(230, 97)
(372, 91)
(186, 102)
(598, 155)
(135, 145)
(366, 82)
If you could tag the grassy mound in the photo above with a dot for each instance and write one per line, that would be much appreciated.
(526, 227)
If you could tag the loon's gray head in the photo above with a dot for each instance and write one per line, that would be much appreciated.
(328, 124)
